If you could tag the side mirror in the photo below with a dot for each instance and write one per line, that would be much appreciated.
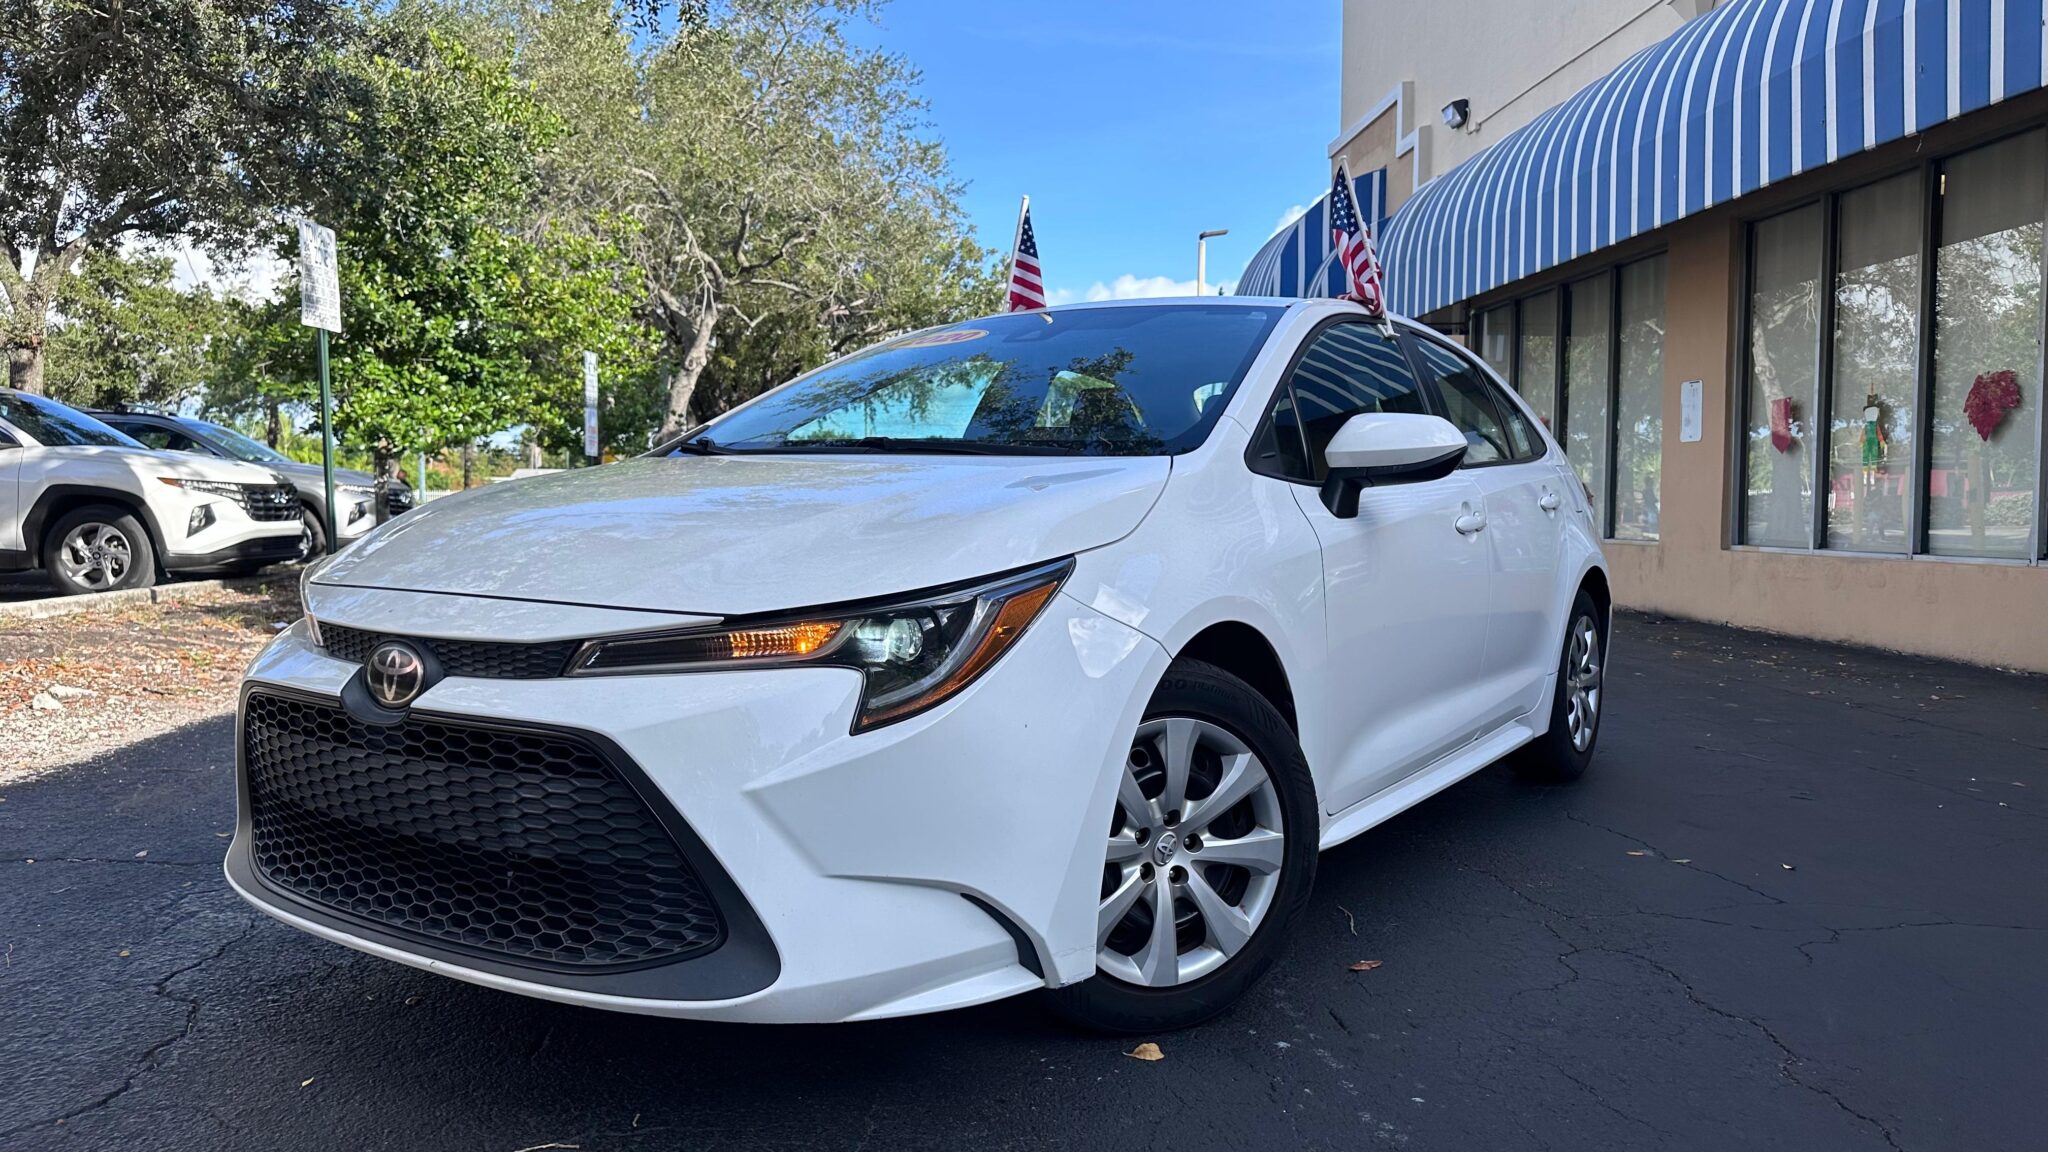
(1376, 448)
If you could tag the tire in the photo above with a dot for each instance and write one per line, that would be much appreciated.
(312, 536)
(1562, 753)
(98, 548)
(1219, 719)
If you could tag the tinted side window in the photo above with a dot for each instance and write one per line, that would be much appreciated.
(153, 436)
(1469, 404)
(1347, 369)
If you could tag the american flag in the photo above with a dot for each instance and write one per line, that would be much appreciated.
(1027, 283)
(1365, 282)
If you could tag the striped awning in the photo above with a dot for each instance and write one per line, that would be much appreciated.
(1749, 94)
(1296, 261)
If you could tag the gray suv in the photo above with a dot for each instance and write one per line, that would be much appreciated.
(355, 493)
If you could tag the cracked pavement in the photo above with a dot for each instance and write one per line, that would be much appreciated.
(1797, 903)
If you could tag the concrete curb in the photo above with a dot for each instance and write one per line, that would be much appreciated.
(96, 602)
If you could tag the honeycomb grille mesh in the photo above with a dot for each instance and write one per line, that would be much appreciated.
(490, 660)
(524, 844)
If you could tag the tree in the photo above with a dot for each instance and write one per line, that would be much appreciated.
(462, 314)
(145, 118)
(777, 182)
(123, 334)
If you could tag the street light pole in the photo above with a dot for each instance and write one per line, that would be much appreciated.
(1202, 259)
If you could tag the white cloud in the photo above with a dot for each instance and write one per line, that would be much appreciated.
(1286, 218)
(1129, 287)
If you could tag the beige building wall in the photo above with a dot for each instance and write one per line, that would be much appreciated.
(1512, 61)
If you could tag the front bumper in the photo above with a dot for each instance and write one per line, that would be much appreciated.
(267, 549)
(946, 860)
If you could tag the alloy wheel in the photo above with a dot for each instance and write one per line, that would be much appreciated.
(96, 556)
(1194, 857)
(1582, 683)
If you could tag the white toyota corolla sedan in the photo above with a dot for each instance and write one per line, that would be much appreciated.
(1041, 651)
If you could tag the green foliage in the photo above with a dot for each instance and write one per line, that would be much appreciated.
(147, 118)
(126, 335)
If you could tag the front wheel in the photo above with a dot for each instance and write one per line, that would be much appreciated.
(1562, 753)
(312, 536)
(1211, 853)
(98, 548)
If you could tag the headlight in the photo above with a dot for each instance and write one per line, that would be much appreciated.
(219, 488)
(912, 654)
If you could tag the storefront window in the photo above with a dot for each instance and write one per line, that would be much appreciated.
(1639, 416)
(1496, 339)
(1536, 360)
(1784, 335)
(1589, 337)
(1876, 347)
(1985, 433)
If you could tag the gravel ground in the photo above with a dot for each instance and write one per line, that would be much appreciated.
(76, 686)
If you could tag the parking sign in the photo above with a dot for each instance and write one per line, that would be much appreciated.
(319, 279)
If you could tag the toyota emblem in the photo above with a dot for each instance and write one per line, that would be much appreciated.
(395, 674)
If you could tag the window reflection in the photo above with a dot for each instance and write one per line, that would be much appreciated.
(1639, 420)
(1587, 353)
(1536, 368)
(1784, 334)
(1987, 304)
(1871, 418)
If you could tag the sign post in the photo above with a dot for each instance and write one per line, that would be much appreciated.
(590, 447)
(320, 310)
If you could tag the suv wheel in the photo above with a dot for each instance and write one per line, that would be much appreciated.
(312, 536)
(98, 548)
(1211, 853)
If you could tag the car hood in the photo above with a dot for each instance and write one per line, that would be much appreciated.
(148, 462)
(299, 470)
(733, 535)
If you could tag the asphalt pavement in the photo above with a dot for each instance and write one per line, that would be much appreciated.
(1800, 901)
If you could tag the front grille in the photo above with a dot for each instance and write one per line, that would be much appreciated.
(528, 845)
(487, 659)
(270, 501)
(397, 500)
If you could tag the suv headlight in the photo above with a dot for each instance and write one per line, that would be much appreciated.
(912, 654)
(220, 488)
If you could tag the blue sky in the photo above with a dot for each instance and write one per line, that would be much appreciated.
(1131, 126)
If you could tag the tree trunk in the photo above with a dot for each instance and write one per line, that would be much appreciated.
(683, 384)
(25, 367)
(273, 426)
(468, 462)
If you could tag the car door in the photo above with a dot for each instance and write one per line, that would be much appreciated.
(1524, 532)
(11, 510)
(1405, 590)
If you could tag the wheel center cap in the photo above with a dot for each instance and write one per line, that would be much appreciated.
(1164, 847)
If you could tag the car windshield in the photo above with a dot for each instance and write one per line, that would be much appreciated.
(237, 445)
(53, 424)
(1118, 381)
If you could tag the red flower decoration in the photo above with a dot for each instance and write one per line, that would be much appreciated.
(1991, 397)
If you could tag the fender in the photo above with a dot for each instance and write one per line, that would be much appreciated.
(58, 497)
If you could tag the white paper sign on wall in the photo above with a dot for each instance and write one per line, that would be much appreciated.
(590, 404)
(319, 278)
(1691, 399)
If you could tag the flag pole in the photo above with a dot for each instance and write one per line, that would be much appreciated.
(1017, 237)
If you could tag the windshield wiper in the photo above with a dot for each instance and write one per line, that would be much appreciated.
(701, 446)
(917, 445)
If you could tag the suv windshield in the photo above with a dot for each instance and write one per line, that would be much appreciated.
(237, 445)
(53, 424)
(1124, 381)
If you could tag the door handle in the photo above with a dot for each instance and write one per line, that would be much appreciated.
(1549, 502)
(1470, 523)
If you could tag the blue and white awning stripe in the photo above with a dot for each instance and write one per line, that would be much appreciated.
(1296, 261)
(1747, 95)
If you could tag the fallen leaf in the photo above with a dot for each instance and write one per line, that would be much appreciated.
(1366, 965)
(307, 1082)
(1788, 868)
(1637, 852)
(1148, 1051)
(1685, 860)
(141, 854)
(124, 951)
